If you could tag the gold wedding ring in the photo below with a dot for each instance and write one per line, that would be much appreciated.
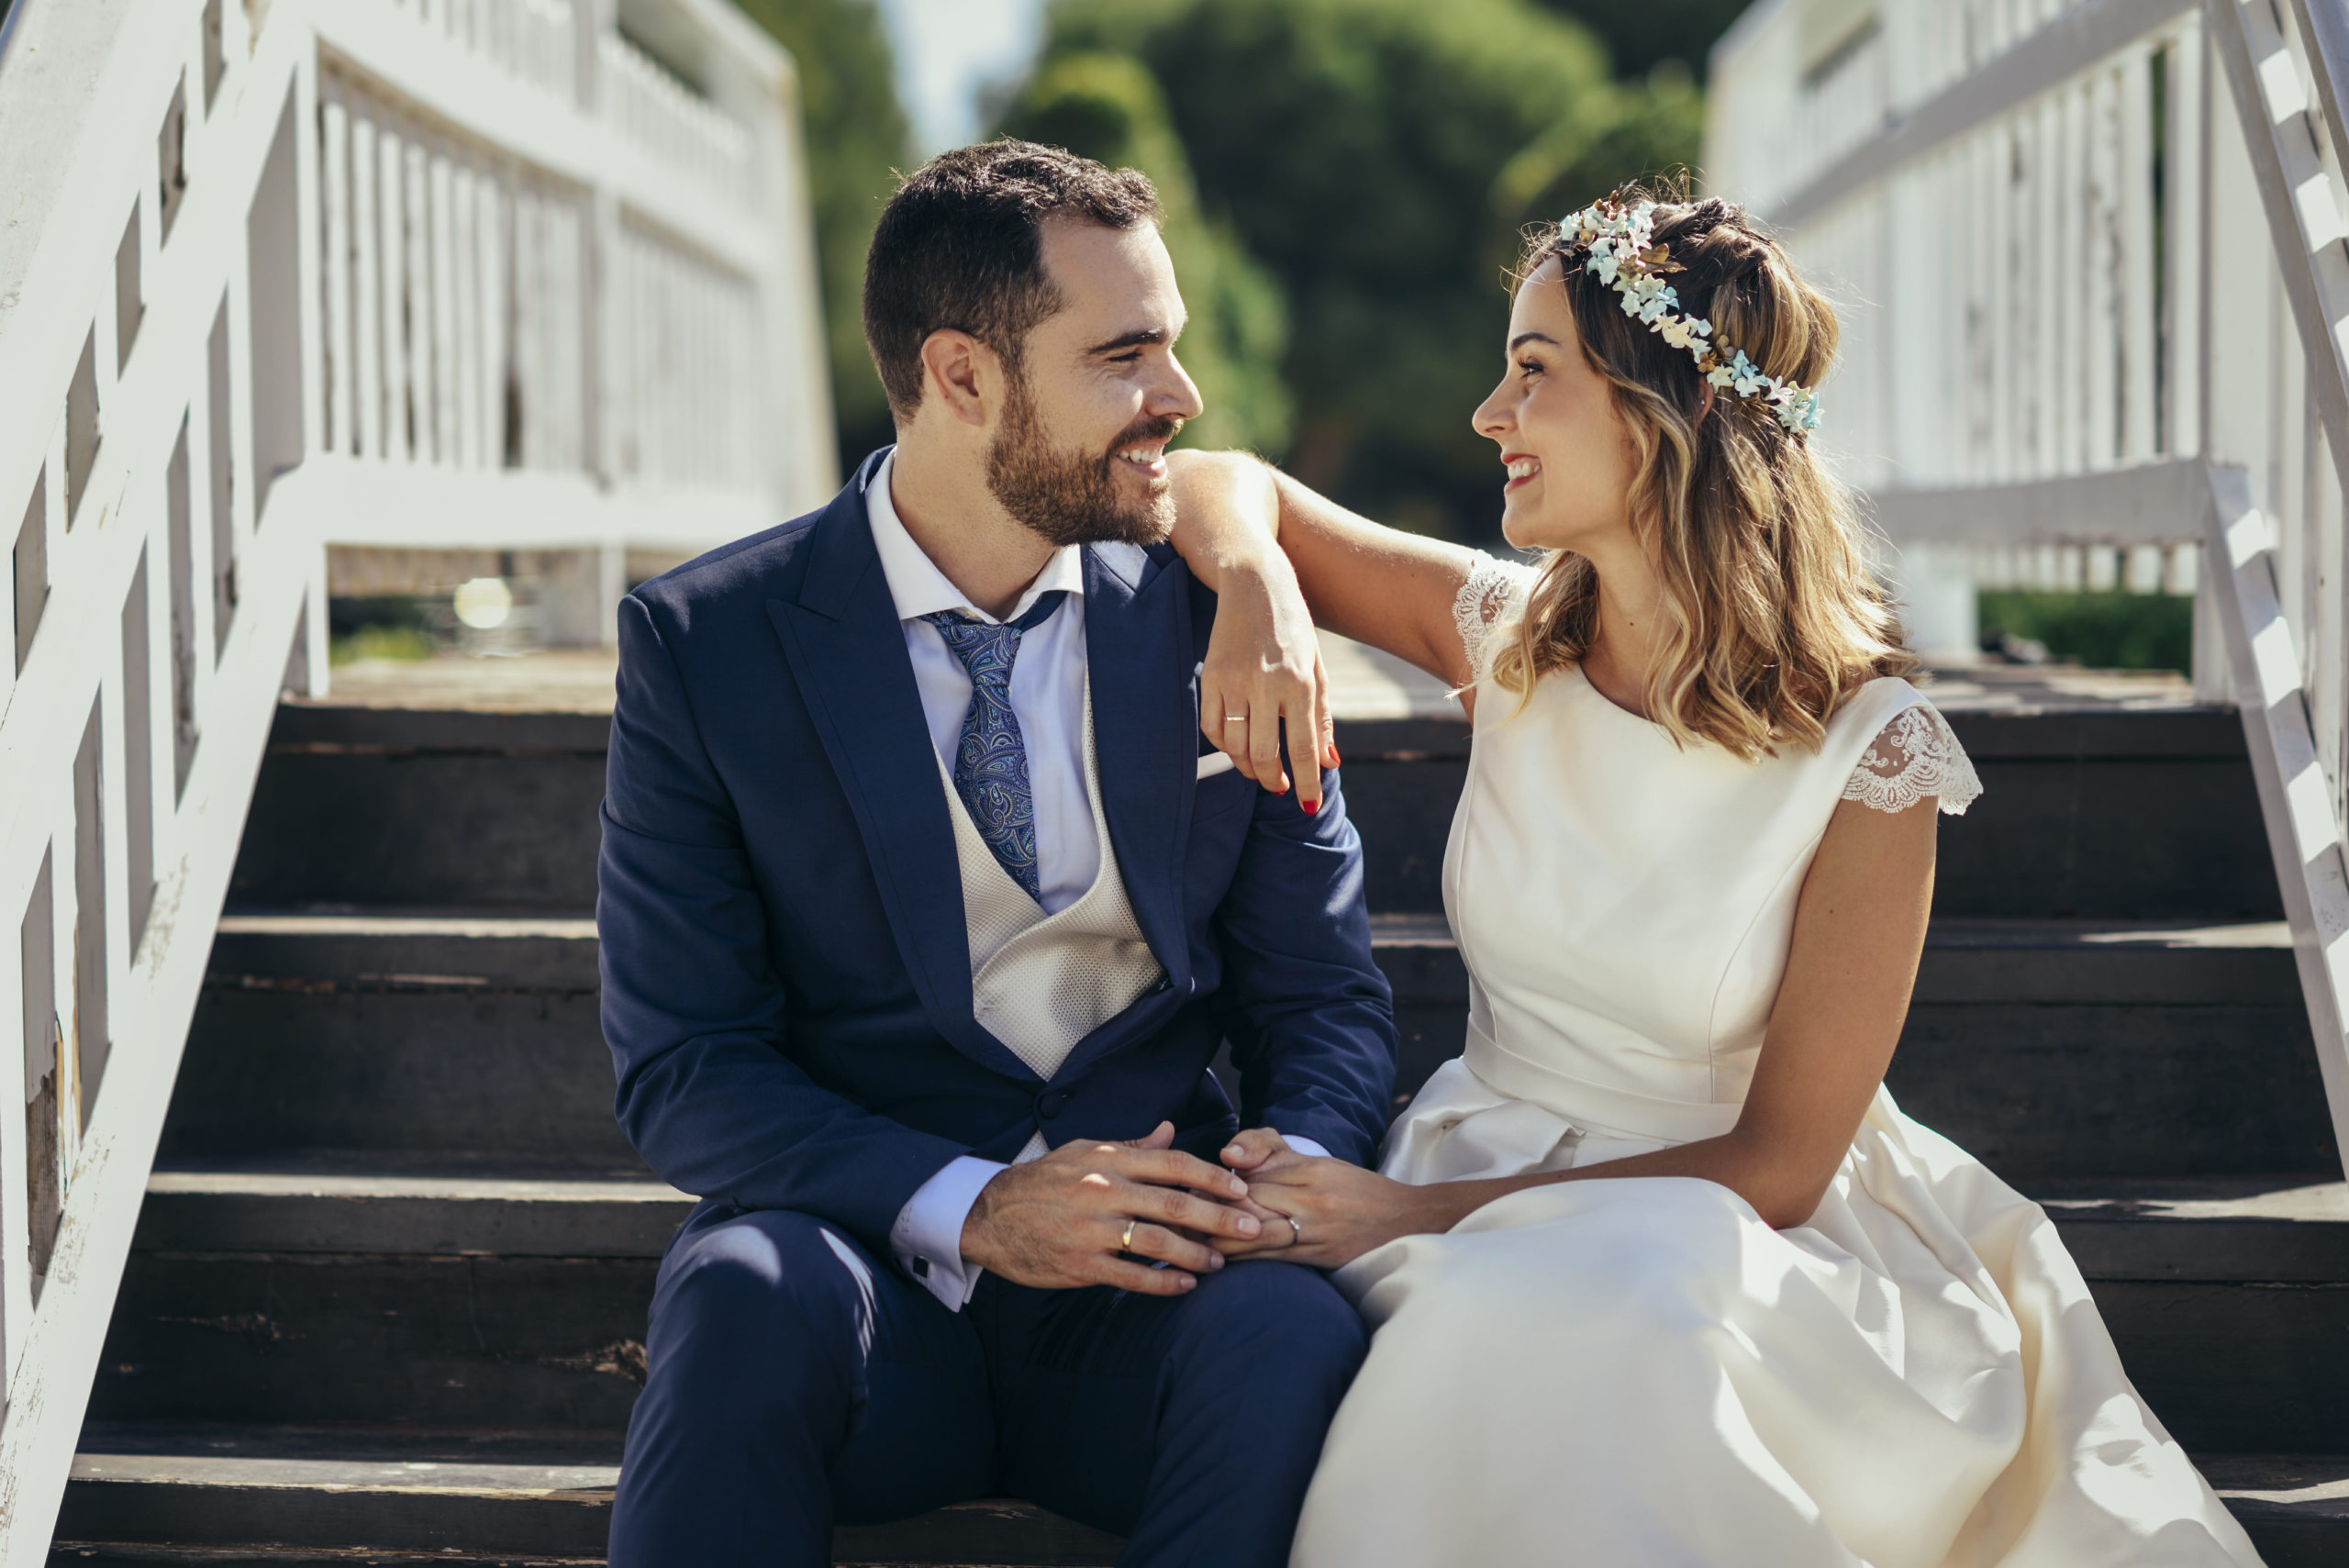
(1126, 1242)
(1235, 718)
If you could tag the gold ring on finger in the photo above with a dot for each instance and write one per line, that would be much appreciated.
(1126, 1242)
(1235, 718)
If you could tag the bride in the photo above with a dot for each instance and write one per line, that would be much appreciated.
(1659, 1274)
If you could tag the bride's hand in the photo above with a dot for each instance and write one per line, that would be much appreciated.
(1264, 666)
(1330, 1212)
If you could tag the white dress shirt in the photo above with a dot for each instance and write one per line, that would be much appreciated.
(1048, 699)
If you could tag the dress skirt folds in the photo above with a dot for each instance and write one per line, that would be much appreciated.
(1642, 1372)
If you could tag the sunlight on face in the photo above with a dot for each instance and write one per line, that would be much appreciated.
(1569, 455)
(1107, 389)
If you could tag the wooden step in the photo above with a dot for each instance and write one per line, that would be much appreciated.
(334, 1293)
(339, 1206)
(2089, 815)
(2295, 1507)
(478, 1493)
(2048, 1047)
(205, 1493)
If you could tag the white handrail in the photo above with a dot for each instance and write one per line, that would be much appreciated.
(429, 274)
(2089, 254)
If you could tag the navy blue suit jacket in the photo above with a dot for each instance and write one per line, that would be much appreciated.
(786, 974)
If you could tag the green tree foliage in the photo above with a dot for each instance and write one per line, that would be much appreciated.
(856, 139)
(1379, 156)
(1107, 106)
(1642, 34)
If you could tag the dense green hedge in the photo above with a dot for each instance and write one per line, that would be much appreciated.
(2103, 632)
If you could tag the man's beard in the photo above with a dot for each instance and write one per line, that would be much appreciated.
(1073, 497)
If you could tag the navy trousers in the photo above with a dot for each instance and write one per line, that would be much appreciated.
(795, 1382)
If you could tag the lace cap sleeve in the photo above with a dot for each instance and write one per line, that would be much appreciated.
(1492, 589)
(1914, 756)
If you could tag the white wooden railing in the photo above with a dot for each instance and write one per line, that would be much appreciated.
(276, 277)
(2090, 257)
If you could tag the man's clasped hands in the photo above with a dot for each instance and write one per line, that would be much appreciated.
(1143, 1216)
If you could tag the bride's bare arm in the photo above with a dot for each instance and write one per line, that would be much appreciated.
(1279, 557)
(1859, 930)
(1377, 584)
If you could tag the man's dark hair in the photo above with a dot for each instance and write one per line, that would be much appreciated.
(961, 245)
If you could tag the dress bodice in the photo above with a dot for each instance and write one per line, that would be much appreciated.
(1625, 904)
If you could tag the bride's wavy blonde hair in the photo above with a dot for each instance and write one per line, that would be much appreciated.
(1772, 621)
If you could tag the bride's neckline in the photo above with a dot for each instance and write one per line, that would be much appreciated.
(1609, 703)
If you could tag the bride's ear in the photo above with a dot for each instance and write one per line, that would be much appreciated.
(1705, 409)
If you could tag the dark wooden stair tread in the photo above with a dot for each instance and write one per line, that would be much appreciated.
(478, 1491)
(297, 1494)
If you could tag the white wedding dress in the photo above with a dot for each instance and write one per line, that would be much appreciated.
(1640, 1372)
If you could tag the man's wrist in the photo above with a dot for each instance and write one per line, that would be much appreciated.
(974, 1242)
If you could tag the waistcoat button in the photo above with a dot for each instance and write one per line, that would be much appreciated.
(1051, 1101)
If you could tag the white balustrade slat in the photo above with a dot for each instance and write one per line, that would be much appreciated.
(334, 195)
(417, 324)
(535, 330)
(442, 320)
(391, 165)
(464, 314)
(2049, 265)
(367, 278)
(490, 238)
(2186, 240)
(2067, 285)
(2140, 317)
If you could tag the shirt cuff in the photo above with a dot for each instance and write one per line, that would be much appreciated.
(927, 1239)
(1305, 1146)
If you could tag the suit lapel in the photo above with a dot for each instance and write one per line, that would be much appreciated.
(841, 635)
(1138, 648)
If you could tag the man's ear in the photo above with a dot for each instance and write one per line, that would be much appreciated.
(962, 373)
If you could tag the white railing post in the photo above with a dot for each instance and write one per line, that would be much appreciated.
(379, 220)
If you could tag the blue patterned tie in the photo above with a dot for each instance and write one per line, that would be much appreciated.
(991, 759)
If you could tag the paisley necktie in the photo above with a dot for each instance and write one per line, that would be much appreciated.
(991, 760)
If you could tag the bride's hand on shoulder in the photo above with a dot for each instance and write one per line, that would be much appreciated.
(1262, 670)
(1329, 1212)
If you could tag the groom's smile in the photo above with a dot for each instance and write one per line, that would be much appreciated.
(1104, 393)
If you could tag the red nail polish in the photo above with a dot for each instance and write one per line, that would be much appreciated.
(1335, 760)
(1311, 807)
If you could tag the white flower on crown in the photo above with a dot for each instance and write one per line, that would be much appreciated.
(1619, 250)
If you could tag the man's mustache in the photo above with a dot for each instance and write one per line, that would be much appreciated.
(1155, 427)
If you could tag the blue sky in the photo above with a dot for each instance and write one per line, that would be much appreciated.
(949, 51)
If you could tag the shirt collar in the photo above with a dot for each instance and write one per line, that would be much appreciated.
(917, 585)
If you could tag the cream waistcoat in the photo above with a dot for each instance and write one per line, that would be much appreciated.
(1041, 983)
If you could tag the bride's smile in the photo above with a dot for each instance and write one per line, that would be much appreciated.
(1568, 455)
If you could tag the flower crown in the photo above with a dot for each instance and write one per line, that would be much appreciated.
(1620, 251)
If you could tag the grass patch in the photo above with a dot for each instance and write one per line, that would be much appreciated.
(2102, 632)
(404, 644)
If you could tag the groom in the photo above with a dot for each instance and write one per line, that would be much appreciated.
(923, 915)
